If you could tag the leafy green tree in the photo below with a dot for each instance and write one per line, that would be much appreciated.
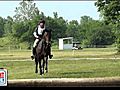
(18, 29)
(8, 26)
(84, 28)
(87, 24)
(2, 21)
(110, 10)
(102, 36)
(85, 19)
(55, 15)
(61, 27)
(72, 29)
(58, 26)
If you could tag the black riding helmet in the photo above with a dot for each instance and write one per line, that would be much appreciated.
(42, 21)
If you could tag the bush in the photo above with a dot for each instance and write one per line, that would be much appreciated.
(118, 44)
(85, 43)
(24, 45)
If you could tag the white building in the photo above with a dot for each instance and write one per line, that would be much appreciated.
(65, 43)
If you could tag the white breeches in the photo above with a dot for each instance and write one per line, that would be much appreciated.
(35, 43)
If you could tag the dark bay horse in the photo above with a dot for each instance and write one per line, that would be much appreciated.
(41, 56)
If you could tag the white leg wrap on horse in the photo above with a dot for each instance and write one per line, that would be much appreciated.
(35, 43)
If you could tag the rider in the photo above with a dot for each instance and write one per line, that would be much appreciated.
(38, 35)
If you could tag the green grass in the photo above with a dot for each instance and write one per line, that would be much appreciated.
(63, 68)
(15, 54)
(85, 53)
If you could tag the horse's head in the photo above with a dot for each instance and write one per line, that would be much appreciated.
(46, 37)
(40, 49)
(43, 44)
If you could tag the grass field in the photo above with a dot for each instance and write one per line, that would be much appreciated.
(64, 68)
(85, 53)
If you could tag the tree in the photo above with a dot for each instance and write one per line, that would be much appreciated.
(58, 26)
(26, 11)
(110, 10)
(101, 36)
(86, 29)
(1, 26)
(72, 29)
(8, 26)
(55, 15)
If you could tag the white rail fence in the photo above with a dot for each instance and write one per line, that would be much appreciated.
(12, 48)
(17, 47)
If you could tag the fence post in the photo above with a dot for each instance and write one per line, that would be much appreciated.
(9, 48)
(20, 48)
(73, 52)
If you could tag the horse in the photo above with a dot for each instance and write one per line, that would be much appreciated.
(41, 56)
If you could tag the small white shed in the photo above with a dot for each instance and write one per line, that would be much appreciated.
(65, 43)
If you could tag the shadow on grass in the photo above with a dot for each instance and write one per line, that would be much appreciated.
(84, 72)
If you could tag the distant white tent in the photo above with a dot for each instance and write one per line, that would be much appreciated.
(65, 43)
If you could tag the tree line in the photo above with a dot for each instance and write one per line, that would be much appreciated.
(18, 30)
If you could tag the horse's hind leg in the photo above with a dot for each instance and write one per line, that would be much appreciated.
(36, 69)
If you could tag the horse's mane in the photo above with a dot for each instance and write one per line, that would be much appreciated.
(41, 47)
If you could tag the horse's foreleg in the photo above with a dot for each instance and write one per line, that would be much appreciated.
(40, 67)
(36, 69)
(46, 68)
(43, 64)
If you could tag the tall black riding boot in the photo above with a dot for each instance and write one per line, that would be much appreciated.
(50, 56)
(33, 53)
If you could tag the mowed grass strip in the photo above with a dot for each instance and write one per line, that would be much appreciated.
(64, 69)
(85, 53)
(15, 54)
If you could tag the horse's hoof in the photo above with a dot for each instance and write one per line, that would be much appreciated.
(50, 56)
(46, 71)
(36, 71)
(46, 68)
(41, 72)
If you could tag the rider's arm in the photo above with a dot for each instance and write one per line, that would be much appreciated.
(35, 33)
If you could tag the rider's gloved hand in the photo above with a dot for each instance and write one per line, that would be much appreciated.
(40, 37)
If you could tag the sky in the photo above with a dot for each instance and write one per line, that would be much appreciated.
(69, 10)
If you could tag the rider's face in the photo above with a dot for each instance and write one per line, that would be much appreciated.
(42, 25)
